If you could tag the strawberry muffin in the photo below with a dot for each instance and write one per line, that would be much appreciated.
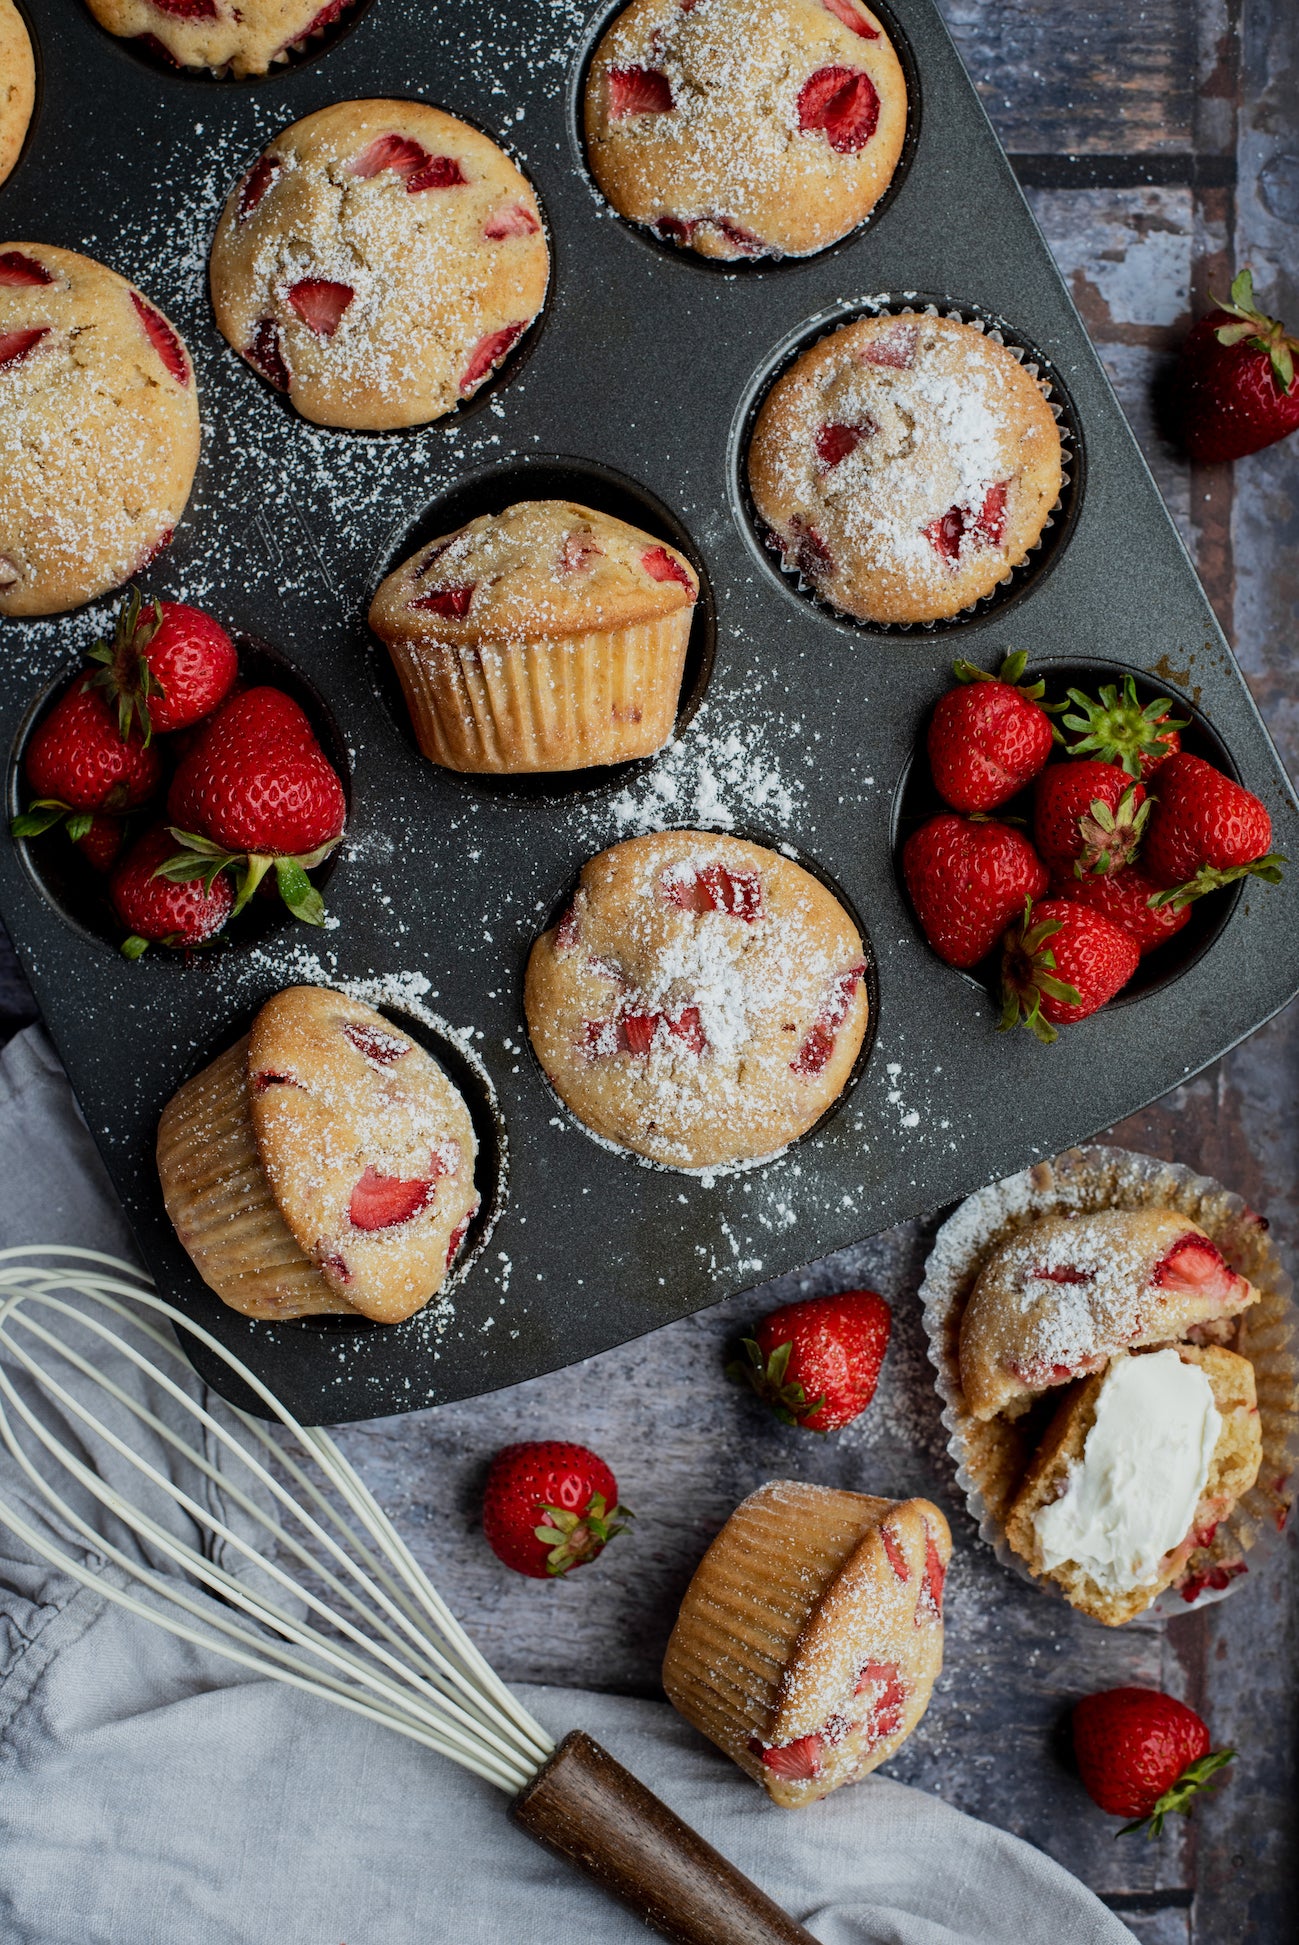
(547, 637)
(378, 262)
(99, 429)
(17, 85)
(240, 40)
(904, 465)
(743, 131)
(811, 1636)
(324, 1164)
(701, 1002)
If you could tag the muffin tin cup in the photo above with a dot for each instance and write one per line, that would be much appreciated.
(1097, 1177)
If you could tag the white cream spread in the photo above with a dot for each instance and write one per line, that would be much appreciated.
(1133, 1495)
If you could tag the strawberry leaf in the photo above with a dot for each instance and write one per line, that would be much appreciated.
(1242, 290)
(38, 817)
(298, 892)
(1179, 1798)
(79, 823)
(134, 947)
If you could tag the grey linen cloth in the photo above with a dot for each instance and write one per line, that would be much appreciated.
(154, 1794)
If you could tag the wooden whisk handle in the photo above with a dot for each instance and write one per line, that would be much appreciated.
(593, 1812)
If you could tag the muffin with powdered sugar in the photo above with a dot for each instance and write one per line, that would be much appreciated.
(17, 85)
(242, 39)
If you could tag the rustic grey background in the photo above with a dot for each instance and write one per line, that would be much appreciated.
(1160, 146)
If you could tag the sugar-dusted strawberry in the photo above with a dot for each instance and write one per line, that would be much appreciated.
(78, 762)
(167, 666)
(1143, 1755)
(257, 792)
(1115, 726)
(550, 1506)
(156, 909)
(320, 304)
(1128, 898)
(1205, 831)
(967, 881)
(1060, 964)
(817, 1363)
(841, 102)
(1087, 816)
(1236, 385)
(989, 736)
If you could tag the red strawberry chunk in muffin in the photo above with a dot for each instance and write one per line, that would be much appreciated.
(488, 352)
(843, 104)
(163, 339)
(1196, 1265)
(798, 1761)
(266, 355)
(897, 351)
(884, 1716)
(447, 601)
(516, 219)
(187, 9)
(810, 554)
(17, 269)
(929, 1606)
(16, 345)
(439, 172)
(396, 152)
(384, 1201)
(268, 1079)
(660, 566)
(846, 11)
(897, 1559)
(382, 1048)
(255, 185)
(818, 1045)
(320, 304)
(578, 551)
(459, 1233)
(948, 535)
(834, 442)
(639, 91)
(713, 888)
(635, 1033)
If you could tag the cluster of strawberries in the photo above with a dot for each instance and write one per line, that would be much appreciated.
(1128, 830)
(238, 788)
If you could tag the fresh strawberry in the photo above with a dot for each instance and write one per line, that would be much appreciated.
(1087, 816)
(320, 304)
(156, 909)
(816, 1363)
(256, 791)
(1116, 728)
(967, 882)
(1126, 898)
(843, 103)
(550, 1506)
(78, 762)
(1062, 963)
(1143, 1755)
(989, 737)
(167, 666)
(1205, 831)
(1237, 388)
(101, 842)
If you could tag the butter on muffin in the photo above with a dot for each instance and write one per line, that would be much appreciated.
(546, 637)
(745, 131)
(701, 1002)
(99, 429)
(809, 1640)
(238, 37)
(17, 85)
(325, 1163)
(378, 262)
(905, 465)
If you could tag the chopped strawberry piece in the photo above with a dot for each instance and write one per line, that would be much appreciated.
(638, 91)
(1195, 1267)
(842, 103)
(187, 9)
(383, 1048)
(896, 1557)
(328, 14)
(384, 1201)
(396, 152)
(835, 441)
(675, 229)
(660, 566)
(797, 1762)
(884, 1716)
(152, 551)
(717, 889)
(846, 11)
(948, 535)
(15, 345)
(818, 1044)
(991, 523)
(488, 352)
(636, 1031)
(320, 304)
(577, 552)
(568, 930)
(459, 1233)
(268, 1079)
(897, 350)
(448, 601)
(688, 1026)
(810, 554)
(266, 355)
(744, 240)
(1065, 1274)
(164, 340)
(817, 1047)
(255, 185)
(1215, 1577)
(439, 172)
(945, 535)
(16, 267)
(1203, 1536)
(1042, 1373)
(516, 219)
(337, 1267)
(930, 1604)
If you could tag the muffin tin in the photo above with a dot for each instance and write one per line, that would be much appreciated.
(634, 389)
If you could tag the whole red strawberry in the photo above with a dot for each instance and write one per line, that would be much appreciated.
(1087, 816)
(100, 843)
(256, 791)
(1237, 388)
(1126, 898)
(1205, 831)
(167, 666)
(816, 1363)
(77, 762)
(1115, 726)
(967, 881)
(157, 910)
(989, 737)
(1062, 963)
(550, 1506)
(1142, 1755)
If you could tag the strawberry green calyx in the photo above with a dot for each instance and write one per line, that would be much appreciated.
(1213, 877)
(124, 673)
(1178, 1799)
(575, 1537)
(1116, 727)
(1028, 974)
(44, 813)
(1010, 673)
(1264, 333)
(1110, 837)
(766, 1375)
(199, 857)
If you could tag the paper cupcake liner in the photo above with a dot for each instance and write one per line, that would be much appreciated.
(220, 1201)
(989, 1456)
(506, 707)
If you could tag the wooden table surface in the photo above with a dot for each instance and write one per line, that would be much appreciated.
(1159, 144)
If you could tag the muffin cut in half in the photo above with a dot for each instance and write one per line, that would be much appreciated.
(547, 637)
(325, 1163)
(810, 1638)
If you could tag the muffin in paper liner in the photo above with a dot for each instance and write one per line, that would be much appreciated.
(991, 1456)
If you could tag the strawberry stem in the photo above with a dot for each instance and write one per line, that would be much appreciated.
(786, 1397)
(1213, 877)
(1178, 1799)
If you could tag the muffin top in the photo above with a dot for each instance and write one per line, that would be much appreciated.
(744, 131)
(246, 37)
(904, 465)
(17, 85)
(377, 262)
(99, 429)
(541, 568)
(368, 1148)
(701, 1001)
